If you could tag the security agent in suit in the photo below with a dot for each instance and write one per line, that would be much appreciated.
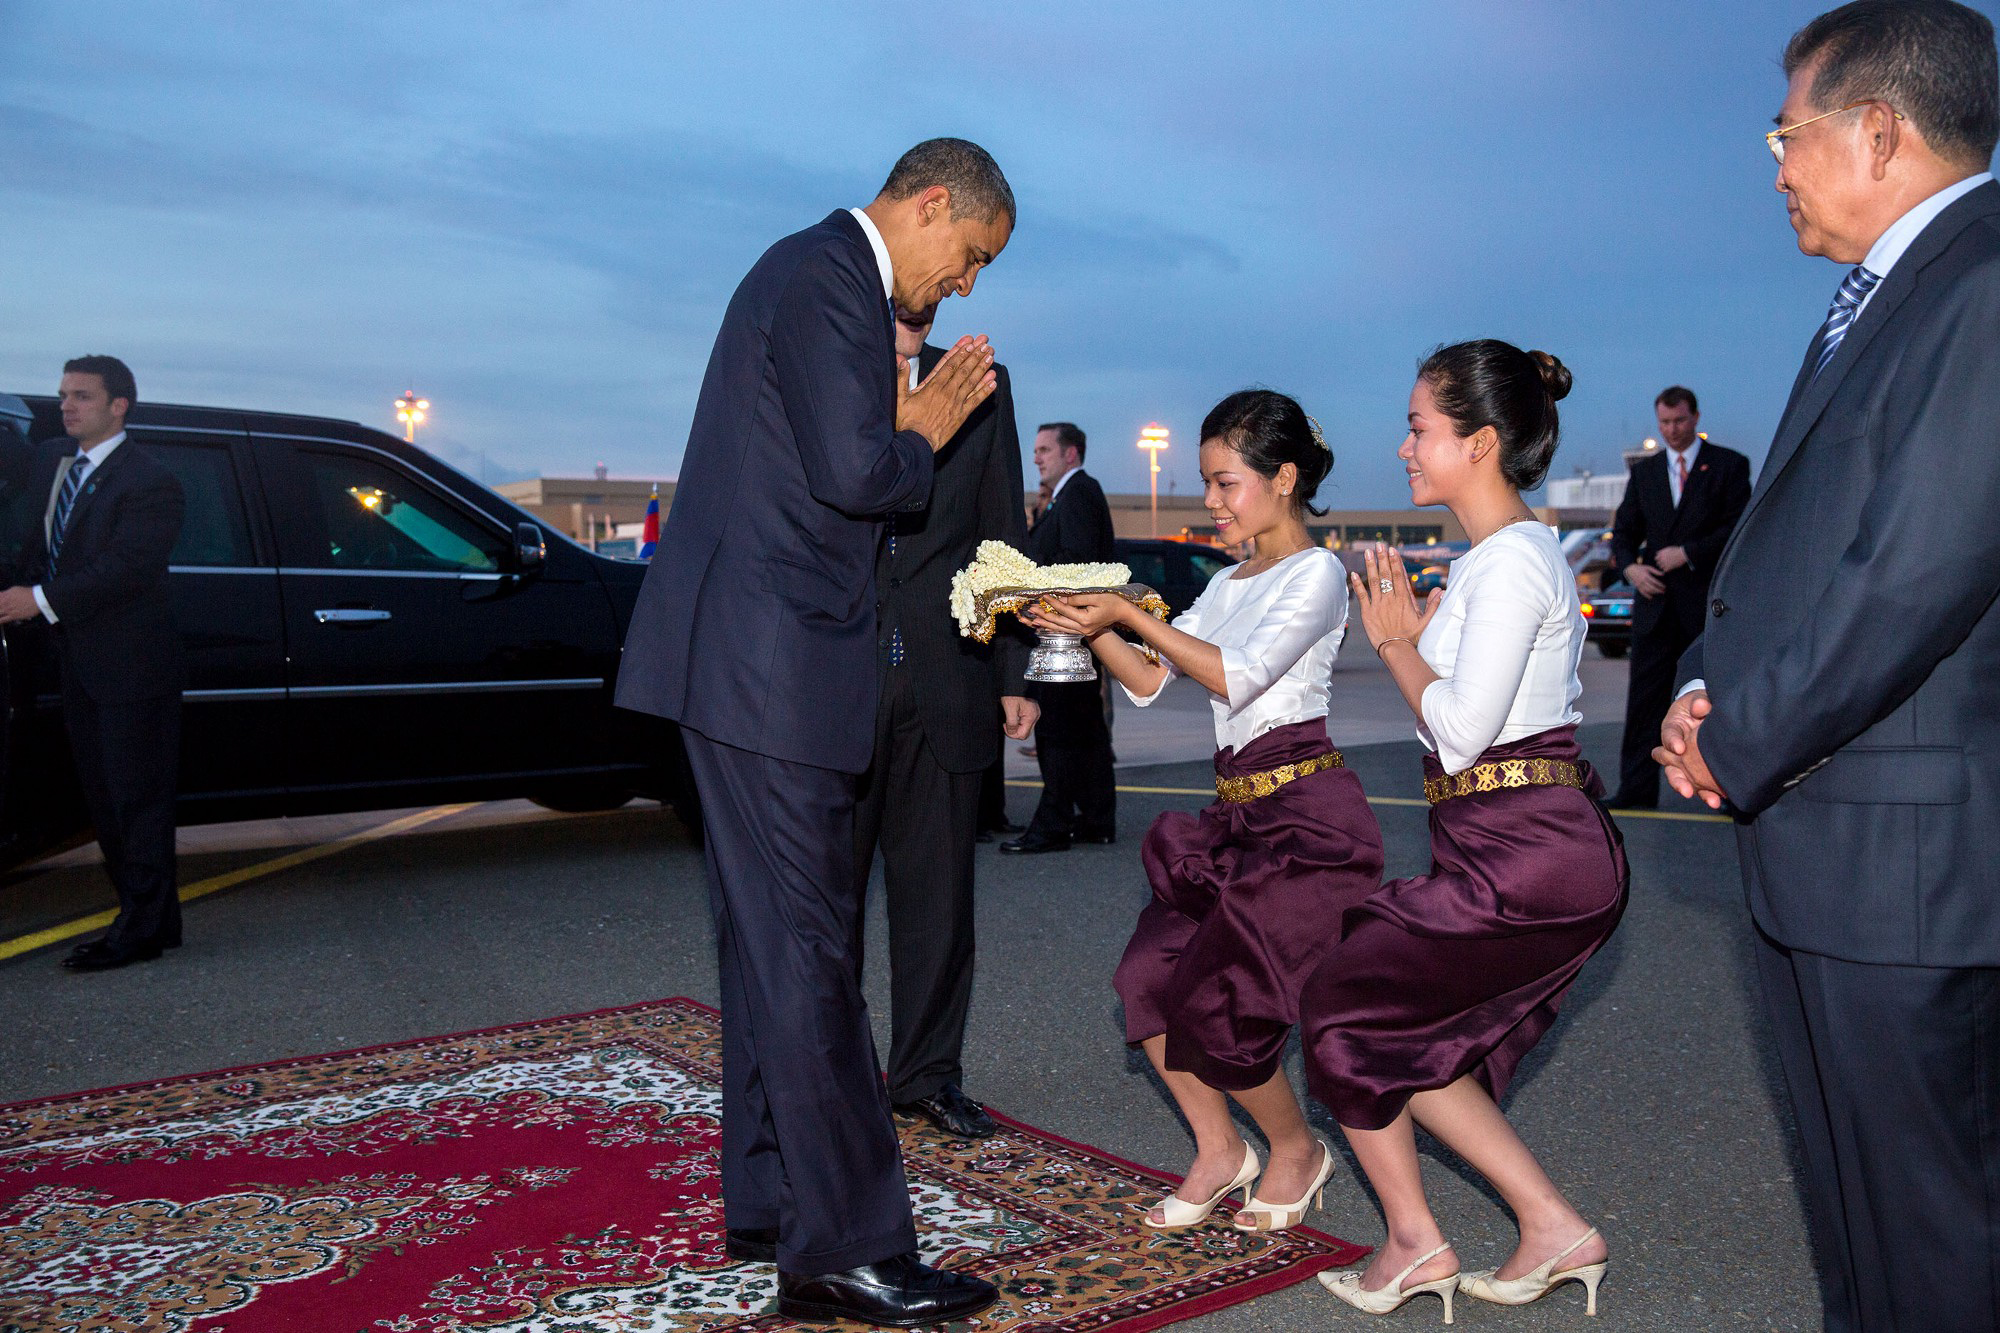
(99, 578)
(1844, 698)
(756, 630)
(937, 729)
(1073, 738)
(1680, 506)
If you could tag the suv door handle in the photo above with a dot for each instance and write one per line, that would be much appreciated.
(345, 615)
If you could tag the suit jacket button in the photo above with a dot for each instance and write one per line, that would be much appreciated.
(1717, 607)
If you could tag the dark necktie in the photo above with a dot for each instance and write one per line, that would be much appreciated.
(1847, 301)
(65, 501)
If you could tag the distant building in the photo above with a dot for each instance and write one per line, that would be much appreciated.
(1585, 491)
(589, 509)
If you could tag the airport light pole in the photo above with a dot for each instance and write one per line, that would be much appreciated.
(411, 410)
(1153, 439)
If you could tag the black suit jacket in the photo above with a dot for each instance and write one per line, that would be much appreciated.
(756, 623)
(975, 497)
(115, 634)
(1076, 527)
(1718, 487)
(1852, 649)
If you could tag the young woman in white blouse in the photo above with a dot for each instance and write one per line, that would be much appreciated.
(1440, 984)
(1246, 892)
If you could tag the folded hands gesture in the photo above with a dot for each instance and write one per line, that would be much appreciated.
(1386, 601)
(936, 408)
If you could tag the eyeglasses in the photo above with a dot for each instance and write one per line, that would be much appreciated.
(1776, 138)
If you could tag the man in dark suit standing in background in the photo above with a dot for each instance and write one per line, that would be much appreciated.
(945, 699)
(1073, 739)
(756, 630)
(1844, 697)
(99, 578)
(1680, 506)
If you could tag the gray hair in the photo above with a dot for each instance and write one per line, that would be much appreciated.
(978, 190)
(1933, 60)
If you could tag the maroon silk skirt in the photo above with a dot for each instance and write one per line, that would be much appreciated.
(1461, 971)
(1246, 899)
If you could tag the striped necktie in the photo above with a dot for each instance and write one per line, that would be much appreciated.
(1847, 301)
(896, 634)
(65, 501)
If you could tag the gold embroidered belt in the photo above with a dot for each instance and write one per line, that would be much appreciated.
(1252, 785)
(1503, 774)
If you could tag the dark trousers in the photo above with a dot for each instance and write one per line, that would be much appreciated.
(924, 820)
(127, 757)
(1073, 747)
(808, 1145)
(1648, 692)
(1894, 1075)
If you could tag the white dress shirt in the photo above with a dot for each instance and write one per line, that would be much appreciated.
(1510, 614)
(881, 249)
(1673, 469)
(1279, 632)
(1883, 256)
(94, 457)
(1056, 489)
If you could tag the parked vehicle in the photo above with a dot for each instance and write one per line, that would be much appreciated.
(1608, 619)
(364, 626)
(1178, 571)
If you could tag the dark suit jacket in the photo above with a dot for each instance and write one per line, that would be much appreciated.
(1076, 527)
(1852, 649)
(115, 634)
(756, 623)
(1718, 486)
(976, 497)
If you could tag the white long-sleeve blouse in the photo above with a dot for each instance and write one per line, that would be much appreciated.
(1279, 632)
(1506, 641)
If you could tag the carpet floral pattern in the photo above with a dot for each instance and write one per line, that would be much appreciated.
(552, 1177)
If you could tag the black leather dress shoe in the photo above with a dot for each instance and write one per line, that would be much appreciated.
(953, 1112)
(100, 956)
(752, 1245)
(902, 1292)
(1032, 844)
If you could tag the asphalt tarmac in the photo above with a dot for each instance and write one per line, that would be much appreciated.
(1654, 1100)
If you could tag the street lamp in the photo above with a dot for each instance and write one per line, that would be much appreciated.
(410, 410)
(1153, 439)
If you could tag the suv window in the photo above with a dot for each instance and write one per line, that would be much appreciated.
(215, 531)
(1206, 565)
(378, 518)
(1148, 567)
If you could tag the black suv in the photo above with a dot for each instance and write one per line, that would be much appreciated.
(1178, 571)
(364, 627)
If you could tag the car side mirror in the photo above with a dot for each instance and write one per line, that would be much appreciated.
(531, 547)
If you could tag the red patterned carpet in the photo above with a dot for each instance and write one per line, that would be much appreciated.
(557, 1176)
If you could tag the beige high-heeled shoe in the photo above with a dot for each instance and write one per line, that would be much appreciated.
(1393, 1297)
(1179, 1214)
(1257, 1215)
(1532, 1286)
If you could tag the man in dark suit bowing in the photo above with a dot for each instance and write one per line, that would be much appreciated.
(1680, 506)
(945, 699)
(98, 576)
(1844, 698)
(1072, 740)
(756, 630)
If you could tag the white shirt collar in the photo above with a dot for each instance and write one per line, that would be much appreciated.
(881, 250)
(1692, 449)
(97, 453)
(1056, 489)
(1891, 244)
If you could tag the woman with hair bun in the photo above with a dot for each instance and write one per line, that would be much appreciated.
(1246, 892)
(1438, 985)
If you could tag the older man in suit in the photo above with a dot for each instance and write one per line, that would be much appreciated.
(945, 700)
(1844, 698)
(1681, 503)
(1073, 739)
(99, 578)
(756, 629)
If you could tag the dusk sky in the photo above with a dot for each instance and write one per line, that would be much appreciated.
(534, 213)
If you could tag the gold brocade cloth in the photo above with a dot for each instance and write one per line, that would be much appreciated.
(1250, 786)
(1501, 776)
(1000, 601)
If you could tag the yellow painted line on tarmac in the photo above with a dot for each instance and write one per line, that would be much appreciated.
(1681, 815)
(42, 939)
